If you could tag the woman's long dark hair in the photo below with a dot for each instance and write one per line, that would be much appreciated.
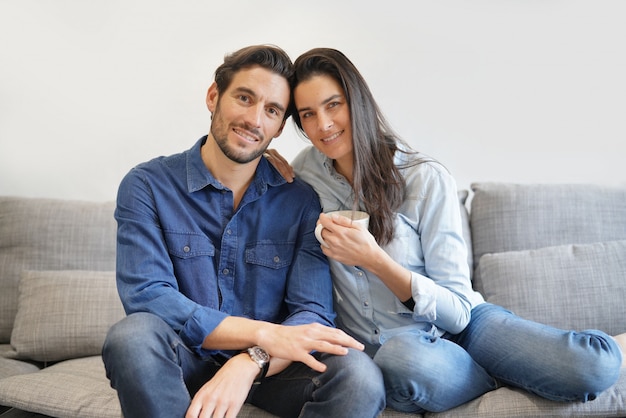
(377, 181)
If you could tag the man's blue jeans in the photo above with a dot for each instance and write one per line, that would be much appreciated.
(156, 375)
(426, 373)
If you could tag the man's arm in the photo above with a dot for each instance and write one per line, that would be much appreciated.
(145, 273)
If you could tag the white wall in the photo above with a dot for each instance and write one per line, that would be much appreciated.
(522, 91)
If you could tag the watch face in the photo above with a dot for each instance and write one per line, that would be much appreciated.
(261, 354)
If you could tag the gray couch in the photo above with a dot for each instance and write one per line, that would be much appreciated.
(553, 253)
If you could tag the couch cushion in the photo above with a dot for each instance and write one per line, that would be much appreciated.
(512, 217)
(516, 403)
(49, 234)
(11, 367)
(73, 389)
(64, 314)
(569, 286)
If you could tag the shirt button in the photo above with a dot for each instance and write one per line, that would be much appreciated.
(186, 248)
(366, 303)
(276, 259)
(360, 274)
(229, 231)
(225, 272)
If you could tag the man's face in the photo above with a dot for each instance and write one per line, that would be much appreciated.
(249, 114)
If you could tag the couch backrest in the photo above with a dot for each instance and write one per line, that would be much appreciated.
(49, 234)
(511, 217)
(554, 253)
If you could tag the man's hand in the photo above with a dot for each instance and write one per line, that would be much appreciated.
(280, 164)
(297, 342)
(226, 392)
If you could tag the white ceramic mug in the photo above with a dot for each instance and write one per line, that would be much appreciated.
(357, 217)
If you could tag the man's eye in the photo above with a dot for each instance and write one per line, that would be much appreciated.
(305, 115)
(244, 98)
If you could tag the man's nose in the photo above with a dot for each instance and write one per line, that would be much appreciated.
(254, 115)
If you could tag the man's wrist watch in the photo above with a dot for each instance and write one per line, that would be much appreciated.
(261, 358)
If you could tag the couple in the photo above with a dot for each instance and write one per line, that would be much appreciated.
(229, 295)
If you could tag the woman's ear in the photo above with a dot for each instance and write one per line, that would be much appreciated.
(211, 97)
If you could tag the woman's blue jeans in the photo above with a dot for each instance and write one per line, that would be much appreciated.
(156, 375)
(426, 373)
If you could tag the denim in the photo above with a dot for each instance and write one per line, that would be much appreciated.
(428, 241)
(452, 347)
(425, 372)
(156, 376)
(185, 255)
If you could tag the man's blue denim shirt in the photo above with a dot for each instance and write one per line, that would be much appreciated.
(185, 255)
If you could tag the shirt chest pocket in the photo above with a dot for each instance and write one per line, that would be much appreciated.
(270, 254)
(188, 245)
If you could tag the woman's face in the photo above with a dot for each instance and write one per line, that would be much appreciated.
(325, 116)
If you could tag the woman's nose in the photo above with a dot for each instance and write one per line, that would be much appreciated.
(325, 123)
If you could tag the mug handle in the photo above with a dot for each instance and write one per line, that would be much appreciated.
(318, 235)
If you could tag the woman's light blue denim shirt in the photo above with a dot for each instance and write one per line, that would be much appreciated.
(428, 240)
(185, 255)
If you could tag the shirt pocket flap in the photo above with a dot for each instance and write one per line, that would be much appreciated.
(186, 245)
(270, 254)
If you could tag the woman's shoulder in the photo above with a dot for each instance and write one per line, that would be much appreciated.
(309, 160)
(415, 163)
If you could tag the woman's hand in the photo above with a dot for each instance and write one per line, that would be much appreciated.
(348, 243)
(280, 164)
(353, 245)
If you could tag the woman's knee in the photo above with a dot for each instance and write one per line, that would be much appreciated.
(597, 363)
(409, 354)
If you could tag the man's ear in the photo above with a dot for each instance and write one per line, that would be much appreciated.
(280, 130)
(211, 97)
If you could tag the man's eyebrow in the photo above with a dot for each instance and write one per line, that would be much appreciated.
(253, 94)
(325, 101)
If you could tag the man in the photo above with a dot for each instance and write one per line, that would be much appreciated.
(227, 290)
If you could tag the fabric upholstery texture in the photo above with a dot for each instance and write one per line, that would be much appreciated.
(513, 217)
(64, 314)
(580, 286)
(515, 403)
(72, 389)
(50, 234)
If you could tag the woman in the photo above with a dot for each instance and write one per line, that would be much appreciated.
(404, 289)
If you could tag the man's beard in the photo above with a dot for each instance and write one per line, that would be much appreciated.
(220, 132)
(240, 157)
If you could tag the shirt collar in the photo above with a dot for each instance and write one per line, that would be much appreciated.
(198, 176)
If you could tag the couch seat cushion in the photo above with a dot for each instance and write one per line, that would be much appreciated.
(72, 389)
(516, 403)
